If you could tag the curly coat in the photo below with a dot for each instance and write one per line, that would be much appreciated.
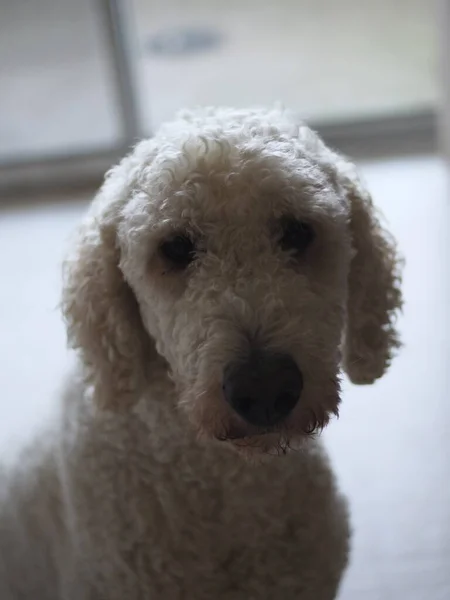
(149, 485)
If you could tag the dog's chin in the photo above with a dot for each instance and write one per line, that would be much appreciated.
(252, 444)
(260, 445)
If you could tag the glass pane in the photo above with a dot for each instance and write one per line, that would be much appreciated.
(53, 78)
(328, 59)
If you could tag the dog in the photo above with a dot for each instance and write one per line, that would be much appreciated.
(227, 271)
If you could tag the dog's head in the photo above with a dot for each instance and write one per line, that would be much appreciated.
(239, 253)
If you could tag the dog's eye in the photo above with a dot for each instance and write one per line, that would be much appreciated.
(296, 235)
(179, 250)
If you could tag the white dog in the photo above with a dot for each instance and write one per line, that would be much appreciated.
(225, 271)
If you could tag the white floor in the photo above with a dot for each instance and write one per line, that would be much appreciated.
(391, 446)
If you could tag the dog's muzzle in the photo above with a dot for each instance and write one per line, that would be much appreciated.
(264, 389)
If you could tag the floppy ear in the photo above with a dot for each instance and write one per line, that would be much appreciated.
(374, 295)
(100, 310)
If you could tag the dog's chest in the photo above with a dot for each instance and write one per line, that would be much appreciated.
(185, 532)
(189, 525)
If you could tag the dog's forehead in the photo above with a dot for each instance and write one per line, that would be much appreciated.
(227, 177)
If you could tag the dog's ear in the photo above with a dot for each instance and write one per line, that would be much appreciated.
(101, 312)
(374, 295)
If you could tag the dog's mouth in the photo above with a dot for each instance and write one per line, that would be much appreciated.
(236, 432)
(213, 420)
(252, 443)
(252, 440)
(278, 439)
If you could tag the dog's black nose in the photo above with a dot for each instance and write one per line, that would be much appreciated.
(264, 389)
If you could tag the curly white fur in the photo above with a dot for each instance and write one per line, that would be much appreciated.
(143, 490)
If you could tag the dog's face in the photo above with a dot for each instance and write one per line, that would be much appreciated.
(236, 244)
(240, 264)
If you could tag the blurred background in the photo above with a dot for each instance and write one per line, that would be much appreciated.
(88, 77)
(81, 81)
